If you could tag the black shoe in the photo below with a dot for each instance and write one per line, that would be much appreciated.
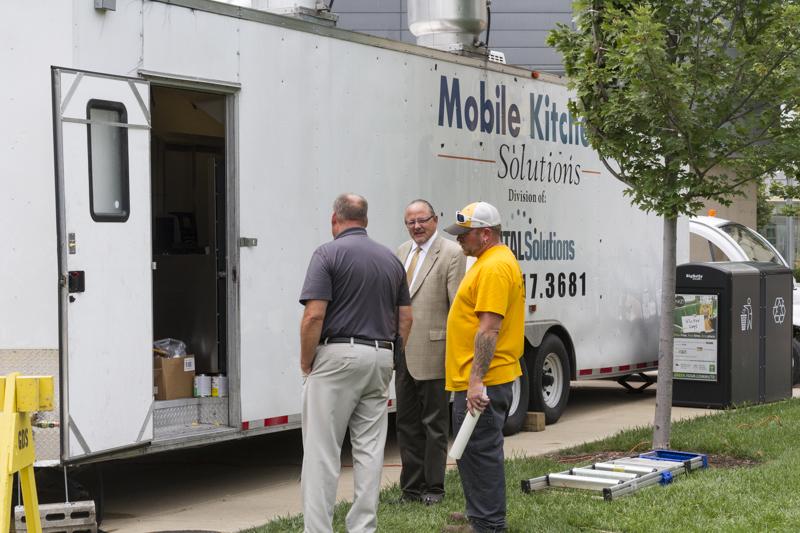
(406, 498)
(433, 498)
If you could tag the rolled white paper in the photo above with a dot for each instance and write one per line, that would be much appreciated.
(464, 433)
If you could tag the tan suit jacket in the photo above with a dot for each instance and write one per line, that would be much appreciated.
(432, 293)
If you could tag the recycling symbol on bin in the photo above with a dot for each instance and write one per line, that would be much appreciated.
(779, 310)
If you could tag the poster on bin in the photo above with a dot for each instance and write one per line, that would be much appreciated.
(694, 331)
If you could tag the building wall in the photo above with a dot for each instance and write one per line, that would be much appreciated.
(519, 27)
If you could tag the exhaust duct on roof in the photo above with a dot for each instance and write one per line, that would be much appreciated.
(451, 25)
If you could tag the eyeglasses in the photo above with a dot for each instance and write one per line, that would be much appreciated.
(420, 221)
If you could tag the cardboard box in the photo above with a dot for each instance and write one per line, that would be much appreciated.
(173, 377)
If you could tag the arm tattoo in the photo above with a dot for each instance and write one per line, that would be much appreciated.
(484, 351)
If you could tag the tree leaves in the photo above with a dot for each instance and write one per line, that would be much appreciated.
(672, 91)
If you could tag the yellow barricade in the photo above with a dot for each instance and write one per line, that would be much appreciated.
(21, 396)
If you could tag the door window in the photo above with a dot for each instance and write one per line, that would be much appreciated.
(108, 161)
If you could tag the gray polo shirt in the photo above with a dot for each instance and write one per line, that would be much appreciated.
(363, 283)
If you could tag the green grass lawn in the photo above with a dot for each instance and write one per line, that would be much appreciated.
(764, 496)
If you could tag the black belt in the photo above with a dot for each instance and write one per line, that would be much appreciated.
(386, 345)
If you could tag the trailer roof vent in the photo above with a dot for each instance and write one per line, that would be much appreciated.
(310, 10)
(450, 25)
(497, 57)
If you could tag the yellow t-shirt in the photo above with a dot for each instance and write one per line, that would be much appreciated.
(493, 284)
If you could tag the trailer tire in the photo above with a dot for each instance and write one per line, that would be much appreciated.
(795, 362)
(550, 378)
(518, 410)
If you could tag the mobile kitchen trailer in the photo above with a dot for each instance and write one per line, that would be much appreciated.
(169, 166)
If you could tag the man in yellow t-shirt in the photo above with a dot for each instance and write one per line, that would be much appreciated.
(485, 339)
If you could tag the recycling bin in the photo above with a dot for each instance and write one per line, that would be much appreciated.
(715, 336)
(775, 351)
(732, 331)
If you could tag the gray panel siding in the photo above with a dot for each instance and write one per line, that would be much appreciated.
(368, 6)
(370, 22)
(519, 27)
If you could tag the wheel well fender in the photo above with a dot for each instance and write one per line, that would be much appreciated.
(534, 333)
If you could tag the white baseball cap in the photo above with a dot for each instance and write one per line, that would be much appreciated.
(475, 215)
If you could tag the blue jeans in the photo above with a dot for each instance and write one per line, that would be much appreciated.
(481, 467)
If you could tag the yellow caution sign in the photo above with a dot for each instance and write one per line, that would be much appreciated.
(21, 396)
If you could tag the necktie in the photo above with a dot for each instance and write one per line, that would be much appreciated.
(412, 267)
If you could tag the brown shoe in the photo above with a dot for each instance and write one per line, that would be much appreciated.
(458, 518)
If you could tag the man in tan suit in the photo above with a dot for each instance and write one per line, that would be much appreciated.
(434, 268)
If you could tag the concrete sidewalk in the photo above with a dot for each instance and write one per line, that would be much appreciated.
(244, 484)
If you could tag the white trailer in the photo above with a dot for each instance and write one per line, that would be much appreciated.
(169, 166)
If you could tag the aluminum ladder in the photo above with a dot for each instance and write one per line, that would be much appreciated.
(622, 476)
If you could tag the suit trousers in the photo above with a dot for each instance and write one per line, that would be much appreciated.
(481, 467)
(423, 420)
(348, 387)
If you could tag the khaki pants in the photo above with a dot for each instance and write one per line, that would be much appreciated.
(348, 387)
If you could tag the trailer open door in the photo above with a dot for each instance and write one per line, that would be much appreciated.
(102, 151)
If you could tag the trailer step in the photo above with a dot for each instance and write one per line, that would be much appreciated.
(70, 517)
(622, 476)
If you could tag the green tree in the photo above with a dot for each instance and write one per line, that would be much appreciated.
(788, 191)
(763, 206)
(684, 100)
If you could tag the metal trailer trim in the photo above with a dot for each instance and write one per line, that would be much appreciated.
(72, 88)
(113, 453)
(96, 74)
(107, 123)
(291, 23)
(61, 257)
(233, 321)
(142, 105)
(583, 374)
(165, 79)
(78, 436)
(144, 424)
(184, 442)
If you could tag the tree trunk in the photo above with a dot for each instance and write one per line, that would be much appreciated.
(662, 425)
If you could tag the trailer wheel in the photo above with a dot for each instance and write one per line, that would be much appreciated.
(550, 377)
(795, 362)
(518, 409)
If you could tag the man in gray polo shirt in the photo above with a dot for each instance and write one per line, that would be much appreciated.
(356, 300)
